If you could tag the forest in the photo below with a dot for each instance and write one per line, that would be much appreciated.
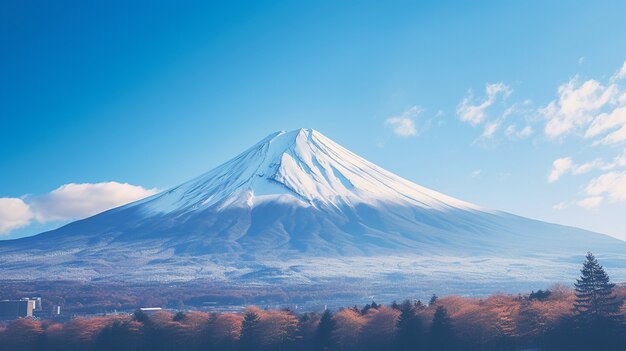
(588, 317)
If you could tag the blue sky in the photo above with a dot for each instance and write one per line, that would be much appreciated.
(510, 105)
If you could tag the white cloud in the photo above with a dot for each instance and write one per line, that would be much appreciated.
(612, 184)
(490, 129)
(512, 132)
(590, 202)
(618, 161)
(614, 121)
(566, 165)
(69, 201)
(72, 201)
(620, 74)
(14, 213)
(404, 125)
(576, 106)
(526, 132)
(476, 113)
(559, 167)
(588, 166)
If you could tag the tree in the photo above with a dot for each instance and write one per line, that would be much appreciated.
(441, 336)
(277, 330)
(141, 316)
(540, 295)
(179, 316)
(325, 330)
(594, 292)
(249, 338)
(348, 325)
(433, 300)
(22, 334)
(119, 335)
(367, 307)
(409, 327)
(596, 308)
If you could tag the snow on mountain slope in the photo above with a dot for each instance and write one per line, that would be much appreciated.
(299, 206)
(301, 166)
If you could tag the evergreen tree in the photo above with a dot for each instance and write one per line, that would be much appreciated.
(594, 292)
(409, 327)
(433, 300)
(441, 336)
(142, 317)
(249, 338)
(597, 324)
(325, 329)
(179, 316)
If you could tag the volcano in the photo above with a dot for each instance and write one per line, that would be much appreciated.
(299, 207)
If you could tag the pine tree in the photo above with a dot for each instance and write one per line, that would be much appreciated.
(433, 300)
(325, 329)
(594, 292)
(441, 336)
(597, 320)
(248, 339)
(409, 327)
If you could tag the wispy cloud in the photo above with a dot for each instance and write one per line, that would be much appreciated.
(512, 131)
(590, 202)
(592, 110)
(576, 106)
(68, 202)
(611, 185)
(475, 112)
(560, 167)
(404, 125)
(490, 129)
(613, 122)
(566, 165)
(620, 73)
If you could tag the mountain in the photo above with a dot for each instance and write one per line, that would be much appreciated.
(298, 207)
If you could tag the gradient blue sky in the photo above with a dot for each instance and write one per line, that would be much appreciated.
(152, 94)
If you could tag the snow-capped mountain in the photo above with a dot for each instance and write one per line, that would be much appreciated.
(298, 205)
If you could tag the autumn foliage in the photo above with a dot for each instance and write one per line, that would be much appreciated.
(542, 320)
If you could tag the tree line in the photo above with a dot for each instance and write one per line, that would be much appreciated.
(588, 317)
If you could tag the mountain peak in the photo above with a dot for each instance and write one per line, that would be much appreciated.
(302, 167)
